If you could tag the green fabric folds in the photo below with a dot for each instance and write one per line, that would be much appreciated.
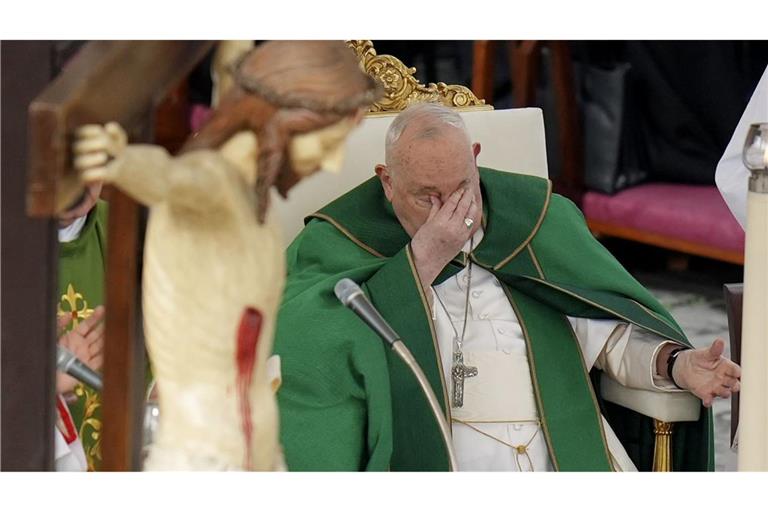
(346, 403)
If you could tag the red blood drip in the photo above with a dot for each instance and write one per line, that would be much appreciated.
(245, 358)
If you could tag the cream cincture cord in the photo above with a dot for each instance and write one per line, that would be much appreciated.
(519, 450)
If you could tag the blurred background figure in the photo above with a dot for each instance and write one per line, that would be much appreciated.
(732, 176)
(82, 251)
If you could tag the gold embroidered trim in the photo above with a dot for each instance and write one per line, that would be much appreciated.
(532, 370)
(591, 393)
(657, 317)
(428, 312)
(71, 299)
(535, 261)
(347, 234)
(591, 303)
(92, 402)
(533, 231)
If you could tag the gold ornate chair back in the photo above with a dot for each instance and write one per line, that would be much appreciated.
(402, 88)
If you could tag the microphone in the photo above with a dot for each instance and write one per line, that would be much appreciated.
(350, 294)
(72, 366)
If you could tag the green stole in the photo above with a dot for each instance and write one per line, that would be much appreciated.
(538, 247)
(81, 290)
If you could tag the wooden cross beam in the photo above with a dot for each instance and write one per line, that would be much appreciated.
(121, 81)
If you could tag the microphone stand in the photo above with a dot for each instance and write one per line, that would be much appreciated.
(352, 296)
(405, 355)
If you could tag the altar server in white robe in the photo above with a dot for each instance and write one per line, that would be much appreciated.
(731, 176)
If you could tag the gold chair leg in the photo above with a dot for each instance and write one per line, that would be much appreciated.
(662, 454)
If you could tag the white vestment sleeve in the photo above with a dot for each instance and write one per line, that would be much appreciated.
(731, 176)
(68, 457)
(625, 352)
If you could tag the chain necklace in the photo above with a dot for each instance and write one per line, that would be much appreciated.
(459, 371)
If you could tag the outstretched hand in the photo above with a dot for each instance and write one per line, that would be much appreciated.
(706, 373)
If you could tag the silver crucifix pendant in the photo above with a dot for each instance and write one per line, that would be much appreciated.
(459, 372)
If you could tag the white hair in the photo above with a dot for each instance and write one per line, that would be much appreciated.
(434, 117)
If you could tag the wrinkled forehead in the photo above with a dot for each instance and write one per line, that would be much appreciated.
(443, 152)
(431, 128)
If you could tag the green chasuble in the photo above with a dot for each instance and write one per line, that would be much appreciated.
(81, 289)
(347, 403)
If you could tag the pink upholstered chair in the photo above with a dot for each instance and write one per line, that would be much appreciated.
(686, 218)
(692, 219)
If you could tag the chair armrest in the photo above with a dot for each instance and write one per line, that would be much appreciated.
(668, 407)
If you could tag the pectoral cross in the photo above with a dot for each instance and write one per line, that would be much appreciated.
(459, 372)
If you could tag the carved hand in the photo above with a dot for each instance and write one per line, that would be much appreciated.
(94, 146)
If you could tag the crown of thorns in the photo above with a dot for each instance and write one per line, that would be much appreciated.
(340, 106)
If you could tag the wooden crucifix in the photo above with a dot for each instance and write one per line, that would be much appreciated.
(120, 81)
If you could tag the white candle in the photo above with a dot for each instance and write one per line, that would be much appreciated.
(753, 412)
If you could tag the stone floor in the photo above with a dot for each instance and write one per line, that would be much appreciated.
(695, 298)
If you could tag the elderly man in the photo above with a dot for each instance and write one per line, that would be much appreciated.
(507, 303)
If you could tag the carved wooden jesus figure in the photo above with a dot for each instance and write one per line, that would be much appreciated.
(213, 264)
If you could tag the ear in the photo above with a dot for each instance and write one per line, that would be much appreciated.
(476, 150)
(386, 180)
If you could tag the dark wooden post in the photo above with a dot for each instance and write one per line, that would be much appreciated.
(571, 180)
(483, 66)
(29, 275)
(523, 61)
(524, 66)
(123, 354)
(734, 308)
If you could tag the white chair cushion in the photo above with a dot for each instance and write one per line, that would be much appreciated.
(669, 407)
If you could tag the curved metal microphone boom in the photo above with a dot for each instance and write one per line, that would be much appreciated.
(352, 296)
